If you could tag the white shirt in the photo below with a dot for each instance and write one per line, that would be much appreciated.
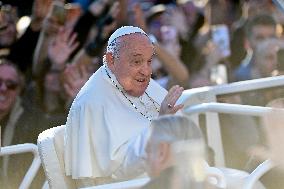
(105, 135)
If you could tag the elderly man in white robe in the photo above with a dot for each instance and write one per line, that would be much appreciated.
(106, 129)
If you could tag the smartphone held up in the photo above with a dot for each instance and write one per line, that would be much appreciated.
(58, 12)
(221, 38)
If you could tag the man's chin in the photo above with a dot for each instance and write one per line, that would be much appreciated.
(137, 93)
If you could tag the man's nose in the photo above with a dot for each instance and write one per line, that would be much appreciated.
(146, 69)
(3, 86)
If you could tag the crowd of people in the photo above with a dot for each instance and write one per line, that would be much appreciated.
(45, 63)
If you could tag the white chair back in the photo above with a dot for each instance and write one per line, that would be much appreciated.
(252, 179)
(51, 151)
(237, 179)
(209, 94)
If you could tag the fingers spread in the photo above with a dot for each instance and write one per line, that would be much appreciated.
(174, 94)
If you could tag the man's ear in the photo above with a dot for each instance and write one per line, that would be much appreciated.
(164, 153)
(110, 61)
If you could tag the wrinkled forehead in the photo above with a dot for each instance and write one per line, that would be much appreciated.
(136, 46)
(135, 39)
(132, 39)
(134, 43)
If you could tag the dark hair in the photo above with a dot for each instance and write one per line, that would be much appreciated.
(260, 19)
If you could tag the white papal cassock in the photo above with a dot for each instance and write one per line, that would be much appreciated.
(105, 134)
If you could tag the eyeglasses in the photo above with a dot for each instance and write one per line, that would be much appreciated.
(11, 85)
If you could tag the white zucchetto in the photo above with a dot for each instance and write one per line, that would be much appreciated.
(124, 30)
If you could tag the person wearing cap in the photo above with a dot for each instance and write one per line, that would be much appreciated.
(106, 128)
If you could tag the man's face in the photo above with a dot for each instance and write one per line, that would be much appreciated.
(8, 32)
(261, 33)
(9, 87)
(132, 66)
(267, 60)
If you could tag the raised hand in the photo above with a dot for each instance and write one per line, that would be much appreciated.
(55, 18)
(168, 105)
(61, 47)
(73, 13)
(139, 19)
(74, 78)
(97, 7)
(175, 17)
(109, 27)
(39, 12)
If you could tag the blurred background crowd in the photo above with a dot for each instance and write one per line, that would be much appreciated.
(49, 49)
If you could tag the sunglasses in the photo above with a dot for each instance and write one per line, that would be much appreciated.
(11, 85)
